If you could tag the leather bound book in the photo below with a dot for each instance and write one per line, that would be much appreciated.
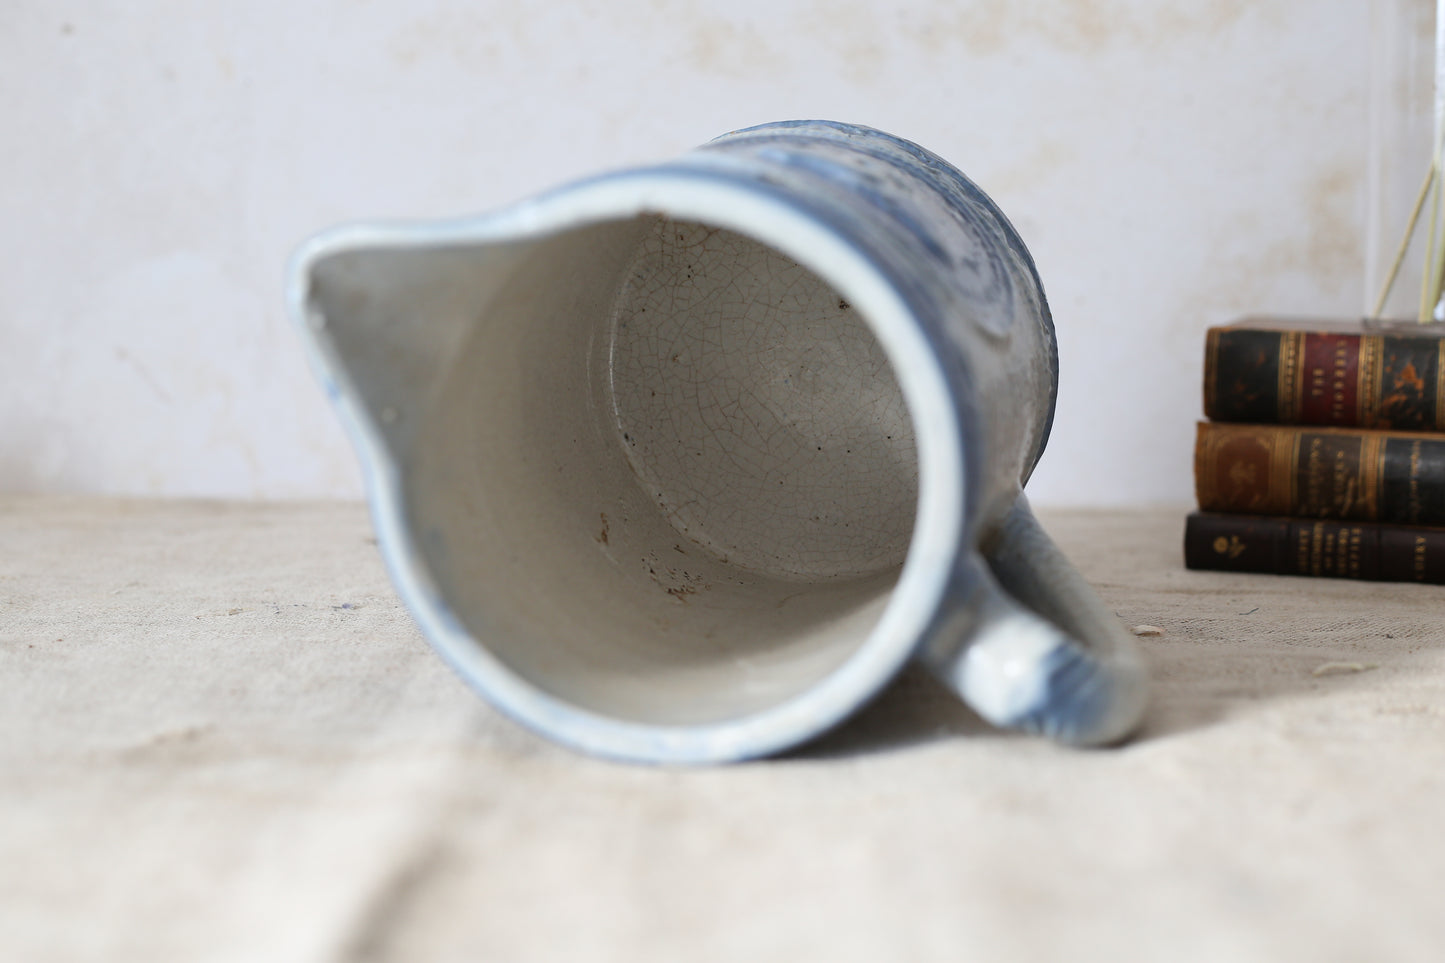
(1330, 549)
(1350, 374)
(1382, 476)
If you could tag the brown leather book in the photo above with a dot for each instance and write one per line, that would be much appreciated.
(1311, 372)
(1294, 546)
(1384, 476)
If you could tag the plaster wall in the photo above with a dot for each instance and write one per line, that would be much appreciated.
(1171, 163)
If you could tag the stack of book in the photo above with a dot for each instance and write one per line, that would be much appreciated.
(1324, 453)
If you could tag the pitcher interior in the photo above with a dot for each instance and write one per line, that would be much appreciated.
(669, 478)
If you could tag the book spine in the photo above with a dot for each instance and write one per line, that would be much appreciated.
(1328, 549)
(1392, 477)
(1269, 376)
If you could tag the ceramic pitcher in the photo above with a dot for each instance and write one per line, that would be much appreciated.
(684, 463)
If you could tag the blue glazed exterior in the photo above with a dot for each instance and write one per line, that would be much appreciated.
(951, 253)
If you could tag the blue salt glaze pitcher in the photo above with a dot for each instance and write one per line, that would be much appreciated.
(684, 463)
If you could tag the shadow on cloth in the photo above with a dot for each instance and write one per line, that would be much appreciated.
(1193, 686)
(914, 710)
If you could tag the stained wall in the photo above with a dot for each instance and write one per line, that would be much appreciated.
(1172, 164)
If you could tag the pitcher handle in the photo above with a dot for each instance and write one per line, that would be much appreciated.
(1029, 645)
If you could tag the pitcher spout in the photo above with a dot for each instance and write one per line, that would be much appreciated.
(384, 309)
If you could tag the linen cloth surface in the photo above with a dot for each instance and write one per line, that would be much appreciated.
(222, 738)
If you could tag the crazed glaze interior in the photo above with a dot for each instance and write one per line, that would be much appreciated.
(669, 477)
